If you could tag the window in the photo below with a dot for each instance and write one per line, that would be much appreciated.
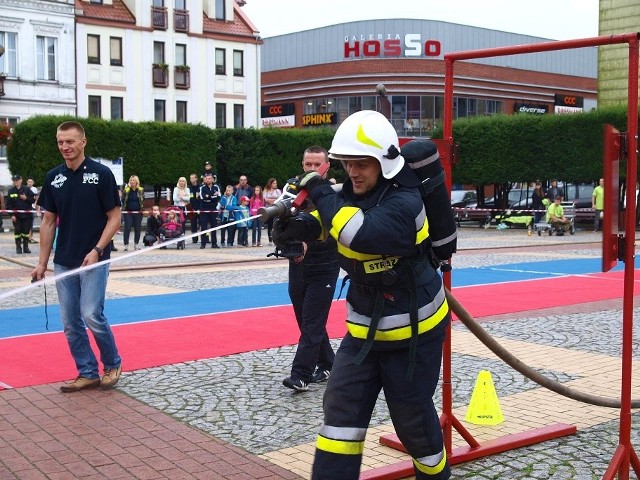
(238, 63)
(116, 108)
(221, 66)
(159, 15)
(221, 115)
(9, 61)
(180, 16)
(93, 49)
(220, 10)
(180, 5)
(160, 112)
(181, 111)
(181, 54)
(95, 107)
(115, 48)
(46, 58)
(97, 2)
(238, 116)
(158, 53)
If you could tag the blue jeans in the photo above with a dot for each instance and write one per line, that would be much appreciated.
(81, 298)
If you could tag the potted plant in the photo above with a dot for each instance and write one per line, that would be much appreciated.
(183, 68)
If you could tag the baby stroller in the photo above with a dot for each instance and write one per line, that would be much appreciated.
(173, 225)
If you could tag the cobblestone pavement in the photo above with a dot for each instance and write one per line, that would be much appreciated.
(239, 399)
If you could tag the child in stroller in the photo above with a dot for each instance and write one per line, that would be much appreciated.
(173, 225)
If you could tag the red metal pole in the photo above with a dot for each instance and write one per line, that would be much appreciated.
(624, 453)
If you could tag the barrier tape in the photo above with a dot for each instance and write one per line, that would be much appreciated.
(505, 210)
(143, 212)
(53, 279)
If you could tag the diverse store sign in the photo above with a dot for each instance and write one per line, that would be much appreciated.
(390, 45)
(530, 108)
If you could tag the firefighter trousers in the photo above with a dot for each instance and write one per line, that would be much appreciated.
(352, 392)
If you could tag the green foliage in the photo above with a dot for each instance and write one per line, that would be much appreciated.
(521, 148)
(491, 150)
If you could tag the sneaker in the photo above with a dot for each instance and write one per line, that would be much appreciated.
(215, 245)
(80, 383)
(136, 247)
(202, 245)
(223, 244)
(126, 248)
(110, 377)
(259, 245)
(320, 376)
(295, 384)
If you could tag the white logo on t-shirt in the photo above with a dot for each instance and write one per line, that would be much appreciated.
(58, 181)
(90, 178)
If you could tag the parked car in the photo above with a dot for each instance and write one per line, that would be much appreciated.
(463, 198)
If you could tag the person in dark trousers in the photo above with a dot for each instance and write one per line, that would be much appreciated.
(209, 199)
(312, 283)
(81, 196)
(20, 197)
(194, 201)
(397, 310)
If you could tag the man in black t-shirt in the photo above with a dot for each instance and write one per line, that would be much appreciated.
(81, 197)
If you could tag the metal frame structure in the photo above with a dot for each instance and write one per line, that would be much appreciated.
(625, 455)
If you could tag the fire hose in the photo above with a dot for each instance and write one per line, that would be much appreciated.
(286, 207)
(507, 357)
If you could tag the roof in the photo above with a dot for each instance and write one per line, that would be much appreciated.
(117, 12)
(241, 25)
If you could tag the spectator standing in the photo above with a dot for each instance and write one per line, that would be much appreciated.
(181, 198)
(83, 196)
(208, 168)
(312, 284)
(227, 205)
(194, 201)
(241, 212)
(597, 203)
(209, 201)
(132, 202)
(554, 190)
(20, 197)
(242, 189)
(271, 193)
(397, 310)
(32, 185)
(536, 202)
(255, 204)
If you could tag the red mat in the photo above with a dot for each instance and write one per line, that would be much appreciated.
(39, 359)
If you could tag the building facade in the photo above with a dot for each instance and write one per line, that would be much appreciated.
(37, 68)
(319, 77)
(168, 60)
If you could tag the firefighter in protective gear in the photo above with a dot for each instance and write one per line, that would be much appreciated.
(396, 306)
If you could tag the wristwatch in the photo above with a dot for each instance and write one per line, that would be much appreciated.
(99, 250)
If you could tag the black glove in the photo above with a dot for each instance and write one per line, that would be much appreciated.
(312, 180)
(288, 230)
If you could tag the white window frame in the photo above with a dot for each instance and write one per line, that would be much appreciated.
(44, 59)
(9, 61)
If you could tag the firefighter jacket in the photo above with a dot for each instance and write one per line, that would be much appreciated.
(395, 294)
(14, 202)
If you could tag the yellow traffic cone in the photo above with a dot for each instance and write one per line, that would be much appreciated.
(484, 408)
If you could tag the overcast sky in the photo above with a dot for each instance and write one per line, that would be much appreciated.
(551, 19)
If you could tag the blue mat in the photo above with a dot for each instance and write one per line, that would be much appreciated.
(31, 320)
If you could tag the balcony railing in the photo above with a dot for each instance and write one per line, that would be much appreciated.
(181, 76)
(160, 75)
(2, 77)
(181, 20)
(159, 17)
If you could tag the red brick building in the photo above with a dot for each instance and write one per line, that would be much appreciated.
(320, 76)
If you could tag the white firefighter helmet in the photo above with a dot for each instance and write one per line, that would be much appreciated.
(368, 134)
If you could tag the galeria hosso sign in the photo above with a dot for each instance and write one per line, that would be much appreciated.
(390, 45)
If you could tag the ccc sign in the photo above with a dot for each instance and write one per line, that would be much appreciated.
(569, 100)
(277, 110)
